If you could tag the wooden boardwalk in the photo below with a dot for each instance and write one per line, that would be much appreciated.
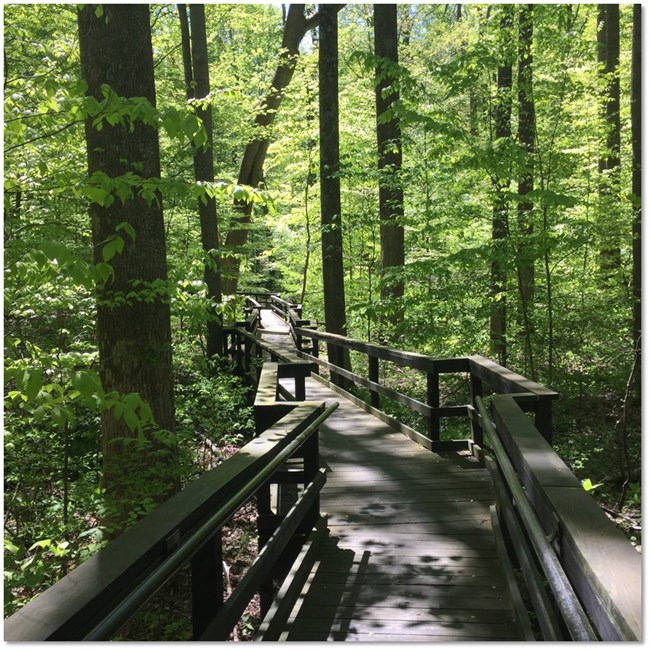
(410, 555)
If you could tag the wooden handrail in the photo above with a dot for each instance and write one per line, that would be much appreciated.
(572, 612)
(533, 396)
(602, 566)
(94, 600)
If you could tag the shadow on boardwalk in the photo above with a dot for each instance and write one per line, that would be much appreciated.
(411, 554)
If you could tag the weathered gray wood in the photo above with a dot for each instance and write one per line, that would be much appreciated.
(406, 359)
(207, 584)
(603, 566)
(504, 380)
(445, 536)
(547, 615)
(534, 459)
(71, 607)
(222, 624)
(596, 556)
(274, 621)
(518, 604)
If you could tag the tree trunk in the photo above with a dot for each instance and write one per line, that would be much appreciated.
(252, 164)
(636, 181)
(610, 153)
(134, 339)
(197, 81)
(389, 146)
(526, 138)
(332, 237)
(502, 113)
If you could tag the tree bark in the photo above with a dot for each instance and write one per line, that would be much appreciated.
(636, 181)
(502, 112)
(197, 81)
(526, 138)
(389, 146)
(332, 236)
(134, 339)
(608, 48)
(252, 164)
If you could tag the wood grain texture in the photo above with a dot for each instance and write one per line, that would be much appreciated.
(410, 553)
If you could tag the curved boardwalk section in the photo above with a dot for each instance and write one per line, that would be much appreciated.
(411, 555)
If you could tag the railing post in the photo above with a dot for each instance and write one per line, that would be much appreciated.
(476, 390)
(207, 584)
(433, 400)
(247, 355)
(544, 418)
(314, 352)
(373, 375)
(311, 463)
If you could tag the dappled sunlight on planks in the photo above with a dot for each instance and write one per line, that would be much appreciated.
(410, 554)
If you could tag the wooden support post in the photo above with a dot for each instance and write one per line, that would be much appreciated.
(373, 375)
(207, 584)
(476, 390)
(247, 355)
(544, 418)
(314, 352)
(433, 400)
(264, 514)
(311, 462)
(300, 392)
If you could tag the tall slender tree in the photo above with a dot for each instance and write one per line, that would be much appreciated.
(134, 337)
(502, 113)
(608, 52)
(330, 182)
(636, 177)
(389, 145)
(197, 82)
(251, 169)
(526, 138)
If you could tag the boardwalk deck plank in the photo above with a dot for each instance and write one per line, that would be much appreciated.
(410, 554)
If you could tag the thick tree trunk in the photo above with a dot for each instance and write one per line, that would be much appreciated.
(636, 180)
(502, 115)
(197, 81)
(526, 138)
(332, 236)
(389, 146)
(252, 165)
(134, 339)
(610, 157)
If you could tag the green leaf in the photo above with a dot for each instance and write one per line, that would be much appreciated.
(113, 247)
(104, 271)
(43, 543)
(55, 250)
(131, 419)
(33, 382)
(127, 228)
(589, 486)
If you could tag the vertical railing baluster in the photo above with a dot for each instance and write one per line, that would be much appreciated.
(433, 400)
(544, 418)
(373, 375)
(207, 584)
(476, 390)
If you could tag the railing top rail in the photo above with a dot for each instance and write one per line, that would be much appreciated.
(603, 567)
(507, 380)
(260, 343)
(76, 605)
(570, 608)
(281, 301)
(403, 358)
(496, 375)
